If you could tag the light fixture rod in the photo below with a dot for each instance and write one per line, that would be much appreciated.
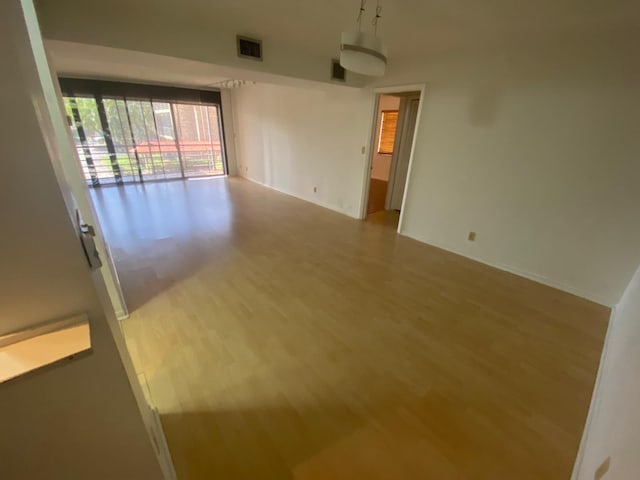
(361, 14)
(377, 17)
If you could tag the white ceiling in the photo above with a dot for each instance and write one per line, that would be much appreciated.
(94, 61)
(310, 29)
(409, 27)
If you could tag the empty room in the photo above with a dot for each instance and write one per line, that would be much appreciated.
(370, 239)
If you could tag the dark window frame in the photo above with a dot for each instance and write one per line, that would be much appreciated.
(77, 87)
(106, 89)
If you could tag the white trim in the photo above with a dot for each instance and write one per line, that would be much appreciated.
(521, 273)
(406, 104)
(156, 432)
(596, 398)
(71, 168)
(412, 156)
(72, 183)
(160, 443)
(401, 126)
(506, 268)
(593, 297)
(401, 88)
(31, 349)
(328, 206)
(43, 329)
(366, 181)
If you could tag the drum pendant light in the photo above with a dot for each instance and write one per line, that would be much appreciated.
(363, 52)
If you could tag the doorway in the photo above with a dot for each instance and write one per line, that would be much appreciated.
(394, 129)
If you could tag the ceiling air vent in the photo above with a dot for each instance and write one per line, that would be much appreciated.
(337, 71)
(249, 48)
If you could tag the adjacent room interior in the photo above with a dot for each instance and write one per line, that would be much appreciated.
(307, 242)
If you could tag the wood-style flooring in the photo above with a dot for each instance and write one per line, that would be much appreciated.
(281, 340)
(377, 195)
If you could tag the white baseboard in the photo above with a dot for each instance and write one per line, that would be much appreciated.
(306, 199)
(552, 283)
(507, 268)
(154, 425)
(528, 275)
(161, 445)
(595, 399)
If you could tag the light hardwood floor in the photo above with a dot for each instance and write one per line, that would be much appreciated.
(281, 340)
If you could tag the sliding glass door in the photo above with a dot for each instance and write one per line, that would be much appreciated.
(122, 140)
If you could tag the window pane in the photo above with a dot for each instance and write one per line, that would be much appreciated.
(152, 140)
(121, 137)
(199, 139)
(166, 140)
(95, 148)
(144, 131)
(89, 172)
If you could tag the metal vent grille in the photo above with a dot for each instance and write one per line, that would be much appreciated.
(249, 48)
(337, 71)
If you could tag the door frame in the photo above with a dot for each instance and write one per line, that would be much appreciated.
(79, 189)
(74, 190)
(375, 93)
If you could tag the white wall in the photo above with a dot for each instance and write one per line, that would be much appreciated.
(294, 139)
(77, 419)
(381, 164)
(537, 150)
(613, 428)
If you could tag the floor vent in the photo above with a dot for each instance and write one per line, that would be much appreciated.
(249, 48)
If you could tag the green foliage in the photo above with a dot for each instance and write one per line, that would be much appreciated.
(136, 122)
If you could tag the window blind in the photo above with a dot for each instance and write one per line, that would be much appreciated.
(388, 127)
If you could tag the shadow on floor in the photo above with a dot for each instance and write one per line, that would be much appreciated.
(320, 443)
(142, 282)
(251, 444)
(161, 233)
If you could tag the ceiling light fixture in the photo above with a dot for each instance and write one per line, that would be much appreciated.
(362, 52)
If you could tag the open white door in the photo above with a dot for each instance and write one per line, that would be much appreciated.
(404, 140)
(72, 172)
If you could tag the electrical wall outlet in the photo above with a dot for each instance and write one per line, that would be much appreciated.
(472, 236)
(602, 469)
